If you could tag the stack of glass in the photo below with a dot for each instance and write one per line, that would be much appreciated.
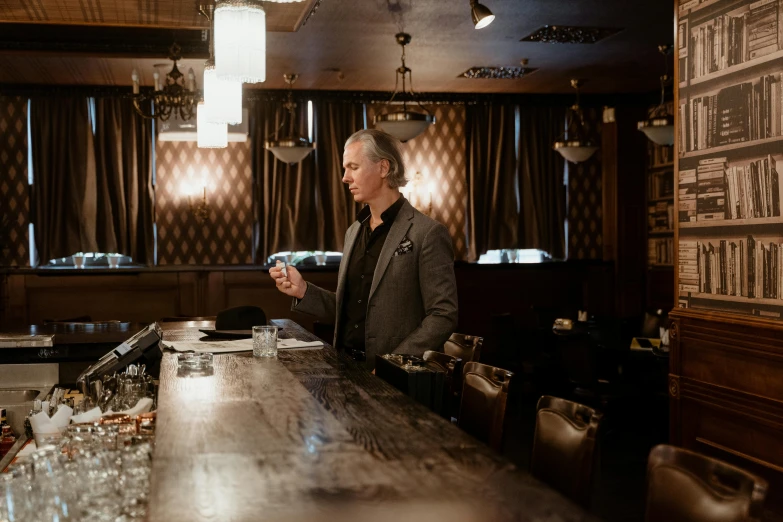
(97, 472)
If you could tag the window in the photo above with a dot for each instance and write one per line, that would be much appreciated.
(90, 260)
(524, 255)
(306, 258)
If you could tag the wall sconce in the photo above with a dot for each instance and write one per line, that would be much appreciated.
(419, 193)
(201, 208)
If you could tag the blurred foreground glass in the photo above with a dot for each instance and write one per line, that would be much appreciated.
(265, 341)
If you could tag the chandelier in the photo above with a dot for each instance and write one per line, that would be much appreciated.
(659, 127)
(574, 145)
(177, 95)
(404, 125)
(291, 148)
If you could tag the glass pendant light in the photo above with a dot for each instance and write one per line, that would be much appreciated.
(222, 97)
(659, 127)
(240, 40)
(291, 148)
(574, 145)
(405, 124)
(210, 135)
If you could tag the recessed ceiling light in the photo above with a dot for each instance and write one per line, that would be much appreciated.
(569, 34)
(496, 73)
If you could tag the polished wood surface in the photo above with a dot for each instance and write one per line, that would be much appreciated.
(310, 435)
(726, 394)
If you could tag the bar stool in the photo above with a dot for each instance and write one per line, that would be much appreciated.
(683, 486)
(452, 367)
(465, 347)
(484, 398)
(564, 447)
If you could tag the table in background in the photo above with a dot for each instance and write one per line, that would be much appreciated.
(311, 433)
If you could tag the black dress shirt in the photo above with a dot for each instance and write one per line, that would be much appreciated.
(361, 268)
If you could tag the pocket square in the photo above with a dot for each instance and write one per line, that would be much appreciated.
(405, 246)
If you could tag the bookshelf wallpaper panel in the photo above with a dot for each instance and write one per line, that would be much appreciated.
(226, 238)
(730, 138)
(14, 189)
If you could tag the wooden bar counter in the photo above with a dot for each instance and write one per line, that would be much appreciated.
(311, 435)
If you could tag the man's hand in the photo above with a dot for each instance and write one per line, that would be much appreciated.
(293, 285)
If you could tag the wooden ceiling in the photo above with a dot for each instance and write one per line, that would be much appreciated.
(344, 44)
(182, 14)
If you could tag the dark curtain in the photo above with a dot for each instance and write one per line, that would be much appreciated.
(123, 157)
(64, 192)
(493, 205)
(334, 124)
(285, 205)
(542, 193)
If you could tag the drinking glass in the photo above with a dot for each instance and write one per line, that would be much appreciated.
(265, 341)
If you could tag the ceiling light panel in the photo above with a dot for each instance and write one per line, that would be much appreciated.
(496, 73)
(569, 34)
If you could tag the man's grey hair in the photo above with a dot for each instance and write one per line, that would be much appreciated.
(377, 146)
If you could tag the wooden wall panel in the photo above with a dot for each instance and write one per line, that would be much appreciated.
(726, 391)
(128, 297)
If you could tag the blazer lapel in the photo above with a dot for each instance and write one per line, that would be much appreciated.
(342, 273)
(396, 233)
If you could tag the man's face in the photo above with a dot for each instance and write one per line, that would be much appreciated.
(364, 178)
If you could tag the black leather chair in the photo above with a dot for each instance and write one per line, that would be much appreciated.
(683, 486)
(565, 449)
(484, 398)
(452, 389)
(465, 347)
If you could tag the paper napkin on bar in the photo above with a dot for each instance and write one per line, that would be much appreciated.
(293, 344)
(241, 345)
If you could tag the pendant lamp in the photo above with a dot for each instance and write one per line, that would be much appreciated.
(210, 135)
(405, 124)
(240, 40)
(222, 97)
(290, 148)
(574, 145)
(659, 127)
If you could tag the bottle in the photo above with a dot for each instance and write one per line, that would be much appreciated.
(28, 428)
(7, 439)
(3, 420)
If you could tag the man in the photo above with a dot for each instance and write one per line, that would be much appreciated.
(396, 291)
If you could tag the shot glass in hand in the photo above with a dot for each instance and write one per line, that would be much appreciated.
(265, 341)
(282, 266)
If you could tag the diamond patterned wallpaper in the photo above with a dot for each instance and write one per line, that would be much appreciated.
(439, 154)
(14, 190)
(226, 237)
(585, 205)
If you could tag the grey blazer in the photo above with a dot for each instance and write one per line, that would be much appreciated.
(413, 297)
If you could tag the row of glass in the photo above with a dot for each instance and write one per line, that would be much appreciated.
(93, 472)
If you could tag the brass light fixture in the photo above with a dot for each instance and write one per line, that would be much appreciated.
(659, 127)
(291, 148)
(404, 125)
(574, 145)
(177, 95)
(201, 210)
(480, 14)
